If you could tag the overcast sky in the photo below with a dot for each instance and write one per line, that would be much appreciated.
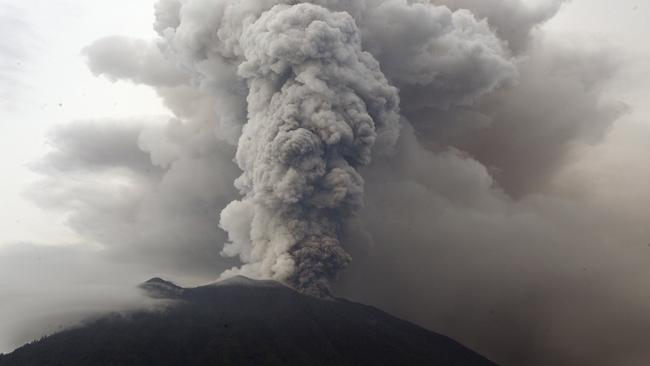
(103, 186)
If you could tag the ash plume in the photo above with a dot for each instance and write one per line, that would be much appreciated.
(316, 106)
(317, 103)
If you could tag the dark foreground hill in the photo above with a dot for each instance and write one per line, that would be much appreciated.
(245, 322)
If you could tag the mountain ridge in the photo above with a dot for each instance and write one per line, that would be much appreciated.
(245, 322)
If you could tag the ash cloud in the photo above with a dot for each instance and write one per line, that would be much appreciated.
(446, 47)
(436, 57)
(513, 20)
(523, 133)
(145, 191)
(137, 60)
(506, 214)
(316, 106)
(539, 280)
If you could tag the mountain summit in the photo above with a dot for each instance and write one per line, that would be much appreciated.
(240, 321)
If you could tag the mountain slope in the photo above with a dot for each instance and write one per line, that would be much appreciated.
(246, 322)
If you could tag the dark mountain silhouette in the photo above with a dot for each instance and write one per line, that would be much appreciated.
(245, 322)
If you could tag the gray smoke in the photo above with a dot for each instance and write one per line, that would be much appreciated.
(453, 58)
(514, 21)
(316, 105)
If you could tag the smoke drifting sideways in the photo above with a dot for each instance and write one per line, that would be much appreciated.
(501, 210)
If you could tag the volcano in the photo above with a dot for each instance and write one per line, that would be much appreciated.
(241, 321)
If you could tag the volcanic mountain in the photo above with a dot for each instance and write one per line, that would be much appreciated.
(240, 321)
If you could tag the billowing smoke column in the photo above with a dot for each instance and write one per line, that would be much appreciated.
(317, 104)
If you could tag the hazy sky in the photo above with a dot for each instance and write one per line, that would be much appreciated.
(513, 217)
(45, 82)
